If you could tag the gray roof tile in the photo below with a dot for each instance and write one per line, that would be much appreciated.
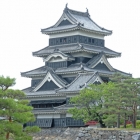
(36, 72)
(94, 59)
(80, 20)
(26, 90)
(59, 28)
(69, 48)
(124, 73)
(74, 68)
(79, 83)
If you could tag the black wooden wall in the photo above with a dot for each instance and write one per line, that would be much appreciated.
(75, 39)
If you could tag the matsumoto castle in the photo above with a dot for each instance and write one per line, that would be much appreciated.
(75, 57)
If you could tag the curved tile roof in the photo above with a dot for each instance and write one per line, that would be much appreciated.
(79, 20)
(81, 81)
(41, 71)
(76, 47)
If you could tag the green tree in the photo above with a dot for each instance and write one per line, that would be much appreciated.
(114, 106)
(122, 100)
(88, 103)
(133, 102)
(15, 111)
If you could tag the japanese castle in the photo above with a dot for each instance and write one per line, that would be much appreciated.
(75, 57)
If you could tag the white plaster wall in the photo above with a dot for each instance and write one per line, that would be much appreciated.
(71, 33)
(48, 116)
(68, 115)
(56, 116)
(44, 116)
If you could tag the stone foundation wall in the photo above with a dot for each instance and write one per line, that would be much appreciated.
(84, 134)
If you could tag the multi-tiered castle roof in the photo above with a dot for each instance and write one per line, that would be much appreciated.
(75, 57)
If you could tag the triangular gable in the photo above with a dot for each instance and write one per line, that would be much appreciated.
(65, 22)
(64, 19)
(98, 80)
(48, 78)
(103, 64)
(48, 85)
(95, 79)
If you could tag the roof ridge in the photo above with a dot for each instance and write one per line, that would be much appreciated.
(71, 82)
(97, 57)
(85, 84)
(57, 77)
(94, 75)
(70, 16)
(77, 12)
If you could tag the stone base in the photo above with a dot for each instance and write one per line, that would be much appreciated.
(84, 133)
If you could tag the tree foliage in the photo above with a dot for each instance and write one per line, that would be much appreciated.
(15, 111)
(109, 103)
(87, 104)
(127, 93)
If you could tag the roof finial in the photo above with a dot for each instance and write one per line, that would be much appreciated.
(87, 10)
(66, 8)
(66, 5)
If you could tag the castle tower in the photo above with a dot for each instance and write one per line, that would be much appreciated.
(75, 57)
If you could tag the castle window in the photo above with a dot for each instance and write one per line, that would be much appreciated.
(64, 40)
(85, 40)
(89, 40)
(92, 40)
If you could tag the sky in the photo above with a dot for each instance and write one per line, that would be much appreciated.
(22, 20)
